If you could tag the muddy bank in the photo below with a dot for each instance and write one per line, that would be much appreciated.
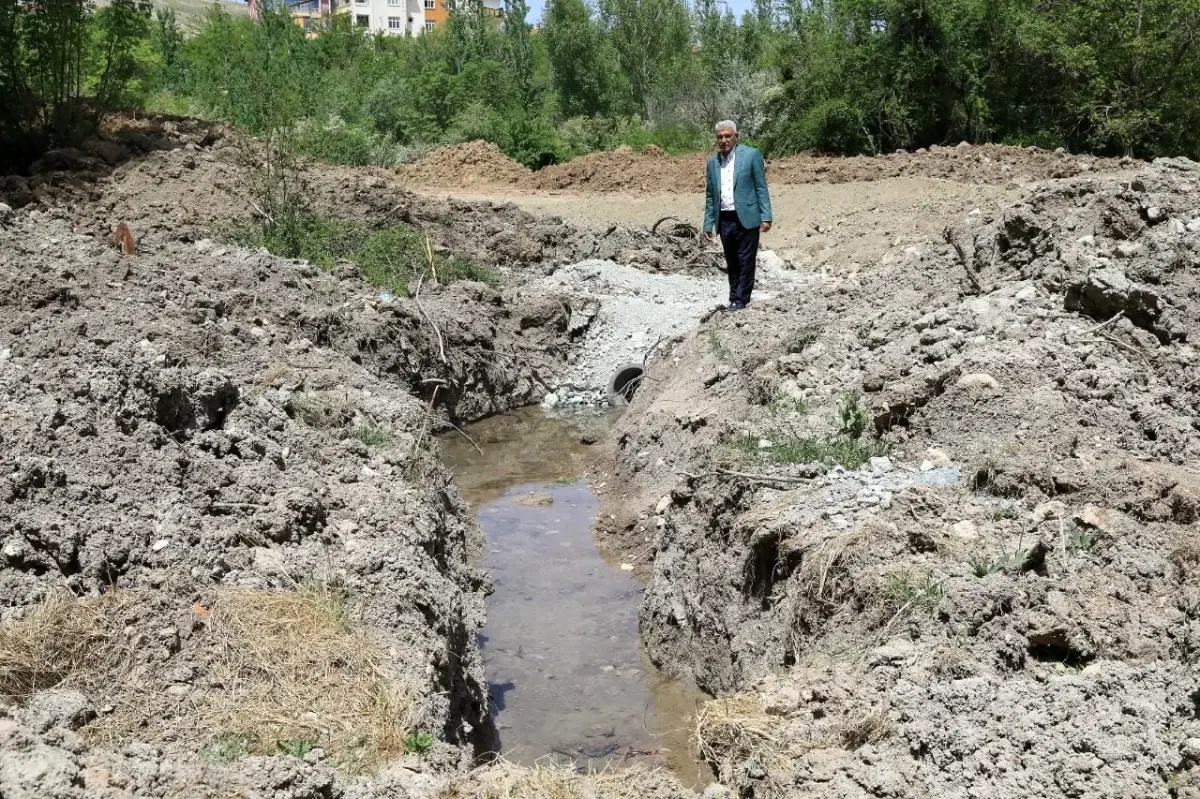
(231, 559)
(978, 576)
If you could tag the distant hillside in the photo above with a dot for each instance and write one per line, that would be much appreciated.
(191, 12)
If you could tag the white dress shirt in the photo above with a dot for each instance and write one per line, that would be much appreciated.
(727, 166)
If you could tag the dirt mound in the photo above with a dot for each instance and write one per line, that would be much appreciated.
(624, 171)
(989, 163)
(474, 163)
(947, 499)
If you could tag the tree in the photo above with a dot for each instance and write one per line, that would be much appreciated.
(581, 62)
(649, 36)
(518, 51)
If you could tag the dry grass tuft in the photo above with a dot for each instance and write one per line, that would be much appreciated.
(505, 780)
(292, 669)
(736, 730)
(285, 671)
(322, 411)
(65, 642)
(274, 374)
(870, 727)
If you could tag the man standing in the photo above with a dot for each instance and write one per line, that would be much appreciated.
(738, 207)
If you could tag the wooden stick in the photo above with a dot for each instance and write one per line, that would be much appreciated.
(438, 333)
(464, 435)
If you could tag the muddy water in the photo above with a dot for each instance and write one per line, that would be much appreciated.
(567, 675)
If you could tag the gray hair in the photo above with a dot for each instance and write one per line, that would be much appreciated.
(726, 123)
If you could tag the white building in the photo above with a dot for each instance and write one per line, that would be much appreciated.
(404, 17)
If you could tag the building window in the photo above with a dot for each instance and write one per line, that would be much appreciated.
(395, 24)
(360, 2)
(430, 5)
(362, 20)
(393, 2)
(430, 24)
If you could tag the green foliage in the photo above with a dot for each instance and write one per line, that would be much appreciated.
(717, 346)
(867, 76)
(913, 591)
(983, 566)
(852, 416)
(62, 66)
(391, 258)
(650, 38)
(418, 743)
(228, 748)
(828, 450)
(298, 748)
(1083, 539)
(374, 436)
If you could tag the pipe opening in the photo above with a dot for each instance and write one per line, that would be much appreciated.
(624, 383)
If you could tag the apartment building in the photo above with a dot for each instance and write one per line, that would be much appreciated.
(403, 17)
(389, 17)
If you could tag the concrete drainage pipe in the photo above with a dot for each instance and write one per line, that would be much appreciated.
(624, 382)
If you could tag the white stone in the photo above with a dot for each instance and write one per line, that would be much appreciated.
(662, 506)
(979, 381)
(1176, 227)
(626, 567)
(1026, 294)
(880, 465)
(161, 544)
(1054, 509)
(550, 400)
(966, 530)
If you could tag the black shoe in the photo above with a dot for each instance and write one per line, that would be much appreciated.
(737, 306)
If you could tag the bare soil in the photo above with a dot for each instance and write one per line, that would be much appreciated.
(1002, 602)
(1005, 604)
(623, 171)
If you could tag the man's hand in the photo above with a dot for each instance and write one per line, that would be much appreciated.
(710, 236)
(765, 227)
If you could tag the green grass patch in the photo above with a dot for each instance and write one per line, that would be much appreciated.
(718, 347)
(297, 748)
(418, 743)
(374, 436)
(229, 748)
(391, 258)
(849, 453)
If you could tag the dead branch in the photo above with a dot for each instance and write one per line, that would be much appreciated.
(425, 423)
(429, 255)
(948, 235)
(464, 435)
(438, 333)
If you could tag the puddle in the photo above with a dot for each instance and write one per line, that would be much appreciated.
(567, 675)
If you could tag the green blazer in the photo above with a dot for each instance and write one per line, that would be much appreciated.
(750, 195)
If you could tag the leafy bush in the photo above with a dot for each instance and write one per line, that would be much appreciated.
(391, 258)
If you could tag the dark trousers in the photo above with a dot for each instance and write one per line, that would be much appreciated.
(741, 254)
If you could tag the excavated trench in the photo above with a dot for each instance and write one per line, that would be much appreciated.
(568, 678)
